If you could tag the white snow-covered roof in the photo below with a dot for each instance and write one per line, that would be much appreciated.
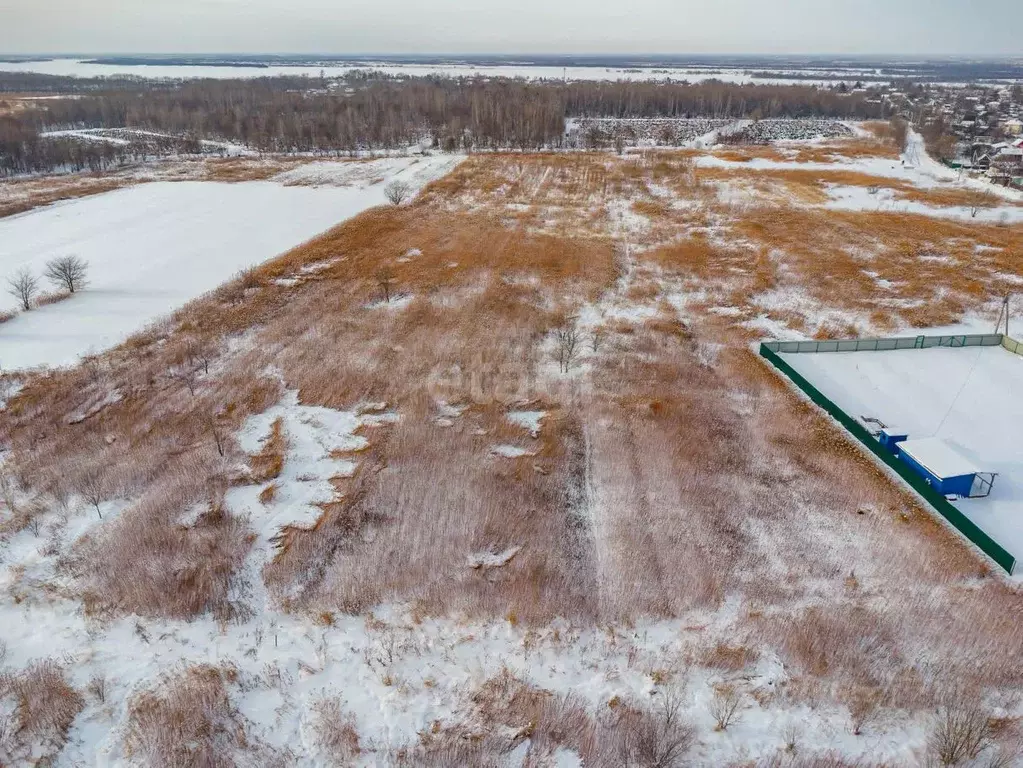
(938, 457)
(895, 430)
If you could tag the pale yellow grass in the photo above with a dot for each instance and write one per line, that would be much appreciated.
(674, 472)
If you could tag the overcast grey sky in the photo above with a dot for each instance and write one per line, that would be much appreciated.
(992, 27)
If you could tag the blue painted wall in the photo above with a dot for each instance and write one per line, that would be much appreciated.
(959, 486)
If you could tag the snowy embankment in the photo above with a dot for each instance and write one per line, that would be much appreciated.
(152, 248)
(968, 397)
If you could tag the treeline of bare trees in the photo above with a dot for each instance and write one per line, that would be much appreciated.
(365, 112)
(23, 150)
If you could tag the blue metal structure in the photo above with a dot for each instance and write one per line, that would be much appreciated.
(890, 437)
(944, 468)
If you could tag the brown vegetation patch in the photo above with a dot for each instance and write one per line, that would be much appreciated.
(43, 705)
(237, 169)
(831, 151)
(189, 720)
(20, 196)
(46, 299)
(919, 258)
(269, 462)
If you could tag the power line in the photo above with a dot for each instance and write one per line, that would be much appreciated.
(976, 360)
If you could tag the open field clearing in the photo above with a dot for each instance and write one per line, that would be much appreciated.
(494, 478)
(154, 247)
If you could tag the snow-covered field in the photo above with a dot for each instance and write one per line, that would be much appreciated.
(913, 167)
(151, 248)
(82, 68)
(968, 397)
(455, 525)
(397, 674)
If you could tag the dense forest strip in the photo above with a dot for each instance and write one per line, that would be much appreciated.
(365, 112)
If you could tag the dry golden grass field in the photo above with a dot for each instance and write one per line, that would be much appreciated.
(573, 518)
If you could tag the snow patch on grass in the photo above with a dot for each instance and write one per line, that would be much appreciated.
(493, 559)
(510, 451)
(528, 420)
(315, 436)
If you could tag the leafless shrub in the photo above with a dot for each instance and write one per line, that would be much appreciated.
(200, 354)
(791, 734)
(398, 192)
(23, 286)
(92, 486)
(566, 348)
(98, 688)
(336, 731)
(724, 706)
(863, 702)
(961, 731)
(216, 432)
(1005, 755)
(657, 738)
(385, 278)
(977, 201)
(187, 374)
(45, 707)
(67, 272)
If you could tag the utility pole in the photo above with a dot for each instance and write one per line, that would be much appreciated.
(1004, 313)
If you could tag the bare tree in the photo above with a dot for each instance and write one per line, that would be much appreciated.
(67, 272)
(660, 739)
(978, 201)
(724, 706)
(567, 346)
(200, 354)
(863, 706)
(23, 286)
(900, 132)
(218, 437)
(187, 375)
(98, 688)
(385, 279)
(398, 192)
(93, 488)
(961, 732)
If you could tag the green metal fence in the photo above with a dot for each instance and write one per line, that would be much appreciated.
(884, 345)
(1012, 345)
(960, 521)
